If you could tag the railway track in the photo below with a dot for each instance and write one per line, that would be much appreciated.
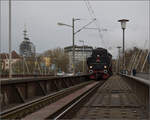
(114, 100)
(32, 106)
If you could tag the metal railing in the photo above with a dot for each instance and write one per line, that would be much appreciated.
(19, 90)
(141, 88)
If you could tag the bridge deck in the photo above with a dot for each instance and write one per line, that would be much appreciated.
(114, 100)
(144, 75)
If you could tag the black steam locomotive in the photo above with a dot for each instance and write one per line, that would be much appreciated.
(99, 64)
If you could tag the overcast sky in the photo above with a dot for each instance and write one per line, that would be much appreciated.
(41, 18)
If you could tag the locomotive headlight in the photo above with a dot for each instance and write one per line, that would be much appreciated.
(91, 66)
(105, 66)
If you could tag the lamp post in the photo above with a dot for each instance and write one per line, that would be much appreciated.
(0, 46)
(149, 59)
(149, 77)
(10, 56)
(54, 65)
(23, 63)
(83, 53)
(119, 47)
(73, 36)
(123, 26)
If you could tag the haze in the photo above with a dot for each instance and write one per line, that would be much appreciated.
(41, 18)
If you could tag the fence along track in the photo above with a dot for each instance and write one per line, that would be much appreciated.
(27, 108)
(114, 100)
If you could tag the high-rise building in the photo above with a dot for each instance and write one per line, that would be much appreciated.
(27, 48)
(81, 52)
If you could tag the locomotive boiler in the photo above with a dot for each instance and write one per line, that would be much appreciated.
(100, 64)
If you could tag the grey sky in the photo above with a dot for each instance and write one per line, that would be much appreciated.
(41, 18)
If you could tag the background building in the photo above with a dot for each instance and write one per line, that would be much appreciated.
(81, 52)
(27, 48)
(5, 59)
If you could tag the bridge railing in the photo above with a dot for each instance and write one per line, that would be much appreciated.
(141, 88)
(22, 75)
(19, 90)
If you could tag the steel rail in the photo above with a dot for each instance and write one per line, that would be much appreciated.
(77, 101)
(110, 106)
(26, 108)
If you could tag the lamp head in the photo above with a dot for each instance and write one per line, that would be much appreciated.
(60, 23)
(76, 19)
(119, 47)
(123, 23)
(81, 40)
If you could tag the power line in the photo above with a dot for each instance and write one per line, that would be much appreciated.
(93, 16)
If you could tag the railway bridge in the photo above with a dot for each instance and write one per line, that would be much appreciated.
(31, 84)
(75, 97)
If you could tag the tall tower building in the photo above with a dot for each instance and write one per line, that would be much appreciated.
(27, 48)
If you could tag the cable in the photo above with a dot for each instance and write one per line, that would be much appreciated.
(93, 16)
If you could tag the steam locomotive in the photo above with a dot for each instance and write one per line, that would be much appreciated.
(100, 64)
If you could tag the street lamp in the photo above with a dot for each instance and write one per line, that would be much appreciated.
(119, 47)
(62, 24)
(123, 26)
(10, 56)
(0, 48)
(149, 74)
(73, 36)
(83, 53)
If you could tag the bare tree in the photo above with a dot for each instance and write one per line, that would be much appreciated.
(59, 58)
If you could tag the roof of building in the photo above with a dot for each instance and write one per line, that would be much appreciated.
(76, 46)
(15, 55)
(79, 48)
